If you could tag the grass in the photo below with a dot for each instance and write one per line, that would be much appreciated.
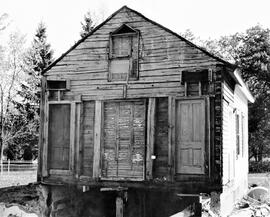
(260, 179)
(17, 178)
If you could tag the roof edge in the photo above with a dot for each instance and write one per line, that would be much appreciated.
(81, 40)
(147, 19)
(243, 86)
(182, 38)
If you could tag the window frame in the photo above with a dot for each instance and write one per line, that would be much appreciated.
(133, 68)
(237, 135)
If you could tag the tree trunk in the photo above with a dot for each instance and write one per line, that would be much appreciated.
(1, 124)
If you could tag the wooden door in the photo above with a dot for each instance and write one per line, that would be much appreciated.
(59, 136)
(190, 136)
(123, 149)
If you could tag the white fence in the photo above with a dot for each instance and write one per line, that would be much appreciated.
(8, 166)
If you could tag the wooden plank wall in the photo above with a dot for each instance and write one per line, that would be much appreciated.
(161, 58)
(160, 168)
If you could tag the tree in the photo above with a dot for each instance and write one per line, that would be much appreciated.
(3, 26)
(189, 35)
(10, 73)
(37, 58)
(87, 25)
(250, 51)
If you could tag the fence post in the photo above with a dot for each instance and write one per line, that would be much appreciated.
(8, 165)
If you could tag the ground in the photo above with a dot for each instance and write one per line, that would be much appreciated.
(30, 197)
(260, 179)
(17, 178)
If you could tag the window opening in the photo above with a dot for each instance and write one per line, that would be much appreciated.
(196, 82)
(56, 88)
(123, 55)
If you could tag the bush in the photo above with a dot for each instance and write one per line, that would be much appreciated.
(259, 167)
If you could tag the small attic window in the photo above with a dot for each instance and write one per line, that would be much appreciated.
(195, 76)
(196, 81)
(123, 54)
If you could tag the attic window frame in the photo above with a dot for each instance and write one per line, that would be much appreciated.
(67, 84)
(189, 79)
(132, 74)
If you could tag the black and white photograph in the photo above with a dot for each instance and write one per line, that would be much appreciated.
(132, 108)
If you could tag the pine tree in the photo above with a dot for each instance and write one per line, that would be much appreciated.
(87, 25)
(38, 57)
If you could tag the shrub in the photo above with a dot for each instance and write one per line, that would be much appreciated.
(259, 167)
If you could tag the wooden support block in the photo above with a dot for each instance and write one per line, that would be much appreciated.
(119, 207)
(150, 137)
(97, 139)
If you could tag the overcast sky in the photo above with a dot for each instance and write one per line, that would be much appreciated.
(206, 18)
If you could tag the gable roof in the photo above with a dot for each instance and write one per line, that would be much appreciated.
(147, 19)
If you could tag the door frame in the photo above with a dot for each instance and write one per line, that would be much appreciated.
(72, 137)
(172, 149)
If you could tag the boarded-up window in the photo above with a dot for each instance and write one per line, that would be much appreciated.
(123, 54)
(121, 46)
(123, 150)
(190, 136)
(59, 136)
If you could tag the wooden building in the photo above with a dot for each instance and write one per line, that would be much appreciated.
(134, 105)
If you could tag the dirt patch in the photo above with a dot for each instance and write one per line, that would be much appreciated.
(27, 197)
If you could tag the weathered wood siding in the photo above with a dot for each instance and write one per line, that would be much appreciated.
(123, 146)
(162, 56)
(160, 168)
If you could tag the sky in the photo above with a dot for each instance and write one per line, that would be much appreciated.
(205, 18)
